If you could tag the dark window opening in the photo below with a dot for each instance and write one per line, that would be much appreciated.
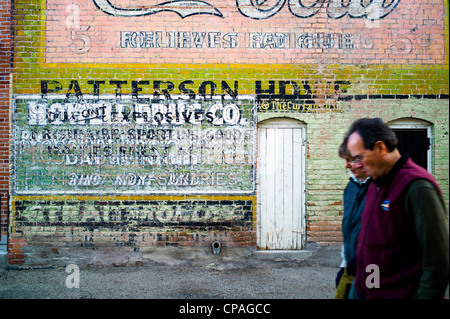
(415, 144)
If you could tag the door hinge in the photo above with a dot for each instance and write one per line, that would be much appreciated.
(301, 230)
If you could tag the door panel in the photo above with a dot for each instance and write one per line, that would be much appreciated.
(280, 187)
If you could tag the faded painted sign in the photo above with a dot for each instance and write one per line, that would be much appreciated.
(131, 145)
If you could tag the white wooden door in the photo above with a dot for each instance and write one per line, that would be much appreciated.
(281, 184)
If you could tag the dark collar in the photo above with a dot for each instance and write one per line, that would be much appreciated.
(389, 176)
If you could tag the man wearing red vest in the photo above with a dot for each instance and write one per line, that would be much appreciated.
(403, 245)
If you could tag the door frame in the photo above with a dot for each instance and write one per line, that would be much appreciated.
(300, 228)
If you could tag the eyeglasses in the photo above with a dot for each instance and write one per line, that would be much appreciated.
(357, 159)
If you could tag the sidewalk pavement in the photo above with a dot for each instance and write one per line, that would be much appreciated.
(307, 274)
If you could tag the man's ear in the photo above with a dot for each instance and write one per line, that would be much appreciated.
(381, 148)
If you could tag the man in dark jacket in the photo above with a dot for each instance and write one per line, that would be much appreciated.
(354, 199)
(403, 245)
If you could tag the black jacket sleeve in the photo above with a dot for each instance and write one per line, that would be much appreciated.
(426, 211)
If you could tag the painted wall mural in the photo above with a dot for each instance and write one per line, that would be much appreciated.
(130, 145)
(163, 138)
(242, 31)
(133, 123)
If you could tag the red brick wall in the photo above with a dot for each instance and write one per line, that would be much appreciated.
(5, 77)
(326, 72)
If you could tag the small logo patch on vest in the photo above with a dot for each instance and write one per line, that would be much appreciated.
(385, 205)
